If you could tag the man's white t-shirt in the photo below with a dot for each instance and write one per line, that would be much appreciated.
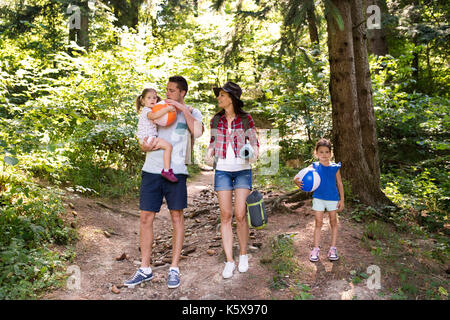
(176, 134)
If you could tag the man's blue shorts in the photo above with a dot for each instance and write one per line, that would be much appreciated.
(154, 188)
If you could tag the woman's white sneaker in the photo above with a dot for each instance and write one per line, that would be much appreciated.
(228, 270)
(243, 263)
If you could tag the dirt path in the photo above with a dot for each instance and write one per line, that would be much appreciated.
(200, 267)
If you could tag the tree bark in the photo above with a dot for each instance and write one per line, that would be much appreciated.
(364, 91)
(126, 12)
(347, 140)
(83, 39)
(312, 27)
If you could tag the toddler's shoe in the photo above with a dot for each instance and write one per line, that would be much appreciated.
(169, 175)
(314, 255)
(332, 254)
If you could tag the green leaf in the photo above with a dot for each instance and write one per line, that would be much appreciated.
(334, 11)
(443, 291)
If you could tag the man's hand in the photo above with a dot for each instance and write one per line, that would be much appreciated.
(171, 109)
(177, 105)
(149, 146)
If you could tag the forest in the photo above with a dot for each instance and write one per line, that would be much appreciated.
(370, 75)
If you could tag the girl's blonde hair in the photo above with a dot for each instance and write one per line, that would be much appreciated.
(139, 98)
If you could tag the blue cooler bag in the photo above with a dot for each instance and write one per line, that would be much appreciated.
(256, 210)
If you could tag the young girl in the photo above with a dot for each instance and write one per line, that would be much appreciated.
(329, 195)
(147, 128)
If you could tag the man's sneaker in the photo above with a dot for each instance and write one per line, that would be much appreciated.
(138, 278)
(173, 279)
(314, 256)
(243, 263)
(332, 254)
(228, 270)
(169, 175)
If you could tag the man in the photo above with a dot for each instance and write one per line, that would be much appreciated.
(154, 187)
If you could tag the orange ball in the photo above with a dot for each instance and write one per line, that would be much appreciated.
(168, 118)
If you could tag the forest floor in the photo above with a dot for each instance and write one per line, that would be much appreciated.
(107, 253)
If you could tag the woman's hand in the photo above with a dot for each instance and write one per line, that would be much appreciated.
(209, 159)
(341, 205)
(298, 182)
(255, 156)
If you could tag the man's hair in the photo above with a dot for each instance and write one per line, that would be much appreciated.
(181, 83)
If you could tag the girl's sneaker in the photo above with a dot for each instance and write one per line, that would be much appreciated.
(314, 255)
(169, 175)
(332, 254)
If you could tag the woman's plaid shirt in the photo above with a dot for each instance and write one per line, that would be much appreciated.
(237, 135)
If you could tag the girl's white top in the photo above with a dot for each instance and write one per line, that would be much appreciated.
(146, 127)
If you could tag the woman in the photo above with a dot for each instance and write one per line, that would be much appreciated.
(230, 129)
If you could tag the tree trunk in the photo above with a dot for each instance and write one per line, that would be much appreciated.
(126, 12)
(348, 144)
(312, 27)
(83, 37)
(415, 61)
(364, 91)
(377, 37)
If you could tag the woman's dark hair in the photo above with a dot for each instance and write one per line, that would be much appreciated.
(237, 107)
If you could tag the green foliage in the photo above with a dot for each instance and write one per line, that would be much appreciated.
(30, 221)
(283, 179)
(67, 115)
(376, 231)
(424, 189)
(302, 292)
(283, 253)
(283, 261)
(409, 123)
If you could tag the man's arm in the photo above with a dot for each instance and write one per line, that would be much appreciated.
(195, 127)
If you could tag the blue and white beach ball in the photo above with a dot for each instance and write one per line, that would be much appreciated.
(310, 179)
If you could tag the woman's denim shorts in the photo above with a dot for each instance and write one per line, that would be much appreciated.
(230, 180)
